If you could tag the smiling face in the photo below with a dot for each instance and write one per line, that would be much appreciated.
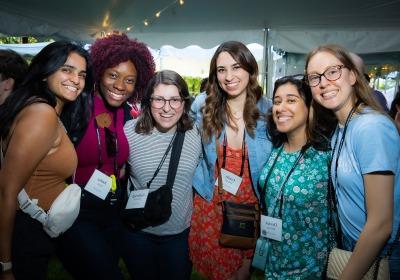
(232, 78)
(118, 83)
(166, 117)
(69, 80)
(289, 110)
(338, 95)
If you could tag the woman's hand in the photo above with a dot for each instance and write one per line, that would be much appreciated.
(378, 227)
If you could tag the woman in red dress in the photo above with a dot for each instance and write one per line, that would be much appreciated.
(233, 116)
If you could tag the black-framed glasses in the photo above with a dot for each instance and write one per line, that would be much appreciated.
(159, 102)
(333, 73)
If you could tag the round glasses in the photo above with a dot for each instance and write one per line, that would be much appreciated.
(159, 102)
(333, 73)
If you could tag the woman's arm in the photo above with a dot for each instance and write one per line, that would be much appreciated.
(378, 227)
(33, 136)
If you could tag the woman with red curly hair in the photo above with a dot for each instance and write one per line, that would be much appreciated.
(122, 69)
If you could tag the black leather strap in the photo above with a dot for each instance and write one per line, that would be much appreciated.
(175, 156)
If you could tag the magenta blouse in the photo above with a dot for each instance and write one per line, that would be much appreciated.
(89, 147)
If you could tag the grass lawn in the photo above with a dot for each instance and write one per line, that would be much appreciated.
(57, 272)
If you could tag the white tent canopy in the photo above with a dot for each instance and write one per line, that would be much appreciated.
(205, 23)
(363, 26)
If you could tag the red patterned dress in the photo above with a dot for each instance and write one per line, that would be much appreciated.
(208, 257)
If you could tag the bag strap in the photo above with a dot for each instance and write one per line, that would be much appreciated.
(220, 187)
(175, 156)
(32, 209)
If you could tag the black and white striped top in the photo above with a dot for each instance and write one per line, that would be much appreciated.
(145, 153)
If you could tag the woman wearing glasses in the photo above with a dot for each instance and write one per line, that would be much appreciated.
(366, 156)
(233, 115)
(161, 252)
(294, 185)
(122, 68)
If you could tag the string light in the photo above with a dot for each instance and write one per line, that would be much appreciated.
(157, 15)
(106, 27)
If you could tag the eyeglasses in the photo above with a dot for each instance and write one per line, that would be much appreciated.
(159, 102)
(333, 73)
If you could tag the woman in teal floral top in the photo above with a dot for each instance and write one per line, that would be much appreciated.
(294, 185)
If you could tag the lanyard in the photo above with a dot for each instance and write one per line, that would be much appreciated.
(162, 161)
(341, 142)
(279, 195)
(100, 146)
(225, 143)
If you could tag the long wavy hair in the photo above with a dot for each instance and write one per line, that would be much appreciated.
(146, 122)
(216, 112)
(34, 89)
(362, 90)
(317, 131)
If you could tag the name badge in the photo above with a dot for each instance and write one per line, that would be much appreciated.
(99, 184)
(271, 228)
(137, 199)
(230, 182)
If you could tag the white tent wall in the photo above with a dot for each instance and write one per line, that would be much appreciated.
(374, 43)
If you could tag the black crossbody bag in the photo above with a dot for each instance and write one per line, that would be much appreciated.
(157, 209)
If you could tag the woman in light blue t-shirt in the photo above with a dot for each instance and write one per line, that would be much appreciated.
(365, 163)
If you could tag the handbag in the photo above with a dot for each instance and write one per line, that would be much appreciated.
(240, 225)
(240, 221)
(157, 209)
(338, 259)
(62, 213)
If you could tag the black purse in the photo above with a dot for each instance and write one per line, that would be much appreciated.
(157, 209)
(240, 221)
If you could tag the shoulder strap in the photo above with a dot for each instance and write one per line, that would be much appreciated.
(175, 156)
(32, 209)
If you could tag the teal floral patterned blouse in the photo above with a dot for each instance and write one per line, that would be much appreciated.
(303, 252)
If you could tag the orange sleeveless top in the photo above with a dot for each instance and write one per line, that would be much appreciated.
(48, 180)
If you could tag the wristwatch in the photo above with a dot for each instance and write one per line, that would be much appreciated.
(4, 266)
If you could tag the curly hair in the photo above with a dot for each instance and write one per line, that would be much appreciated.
(317, 130)
(216, 112)
(146, 123)
(110, 51)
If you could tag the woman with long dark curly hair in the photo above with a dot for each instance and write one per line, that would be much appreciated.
(38, 156)
(122, 69)
(233, 115)
(294, 184)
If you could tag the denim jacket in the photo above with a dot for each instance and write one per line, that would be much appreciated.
(259, 149)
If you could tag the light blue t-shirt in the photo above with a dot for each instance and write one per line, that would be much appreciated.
(372, 143)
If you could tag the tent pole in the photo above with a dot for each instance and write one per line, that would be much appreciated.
(264, 73)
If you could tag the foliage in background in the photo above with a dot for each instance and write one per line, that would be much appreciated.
(193, 84)
(15, 40)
